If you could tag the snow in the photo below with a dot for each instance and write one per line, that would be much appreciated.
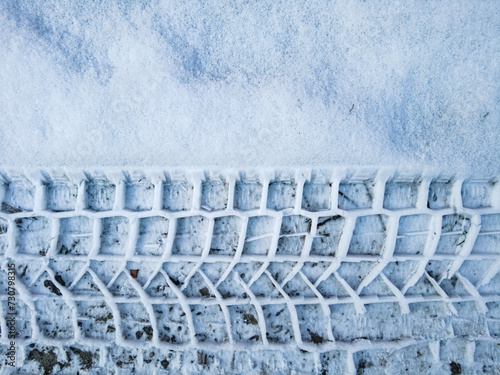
(181, 182)
(219, 83)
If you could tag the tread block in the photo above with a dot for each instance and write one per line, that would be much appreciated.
(468, 322)
(177, 195)
(190, 235)
(4, 241)
(23, 328)
(61, 196)
(214, 194)
(260, 230)
(75, 235)
(95, 320)
(453, 233)
(478, 194)
(369, 235)
(152, 237)
(19, 196)
(209, 323)
(401, 194)
(278, 323)
(281, 194)
(355, 272)
(329, 231)
(33, 235)
(355, 195)
(172, 323)
(247, 194)
(54, 319)
(293, 230)
(313, 323)
(139, 195)
(488, 240)
(226, 235)
(413, 231)
(440, 194)
(114, 235)
(317, 196)
(245, 323)
(135, 322)
(100, 195)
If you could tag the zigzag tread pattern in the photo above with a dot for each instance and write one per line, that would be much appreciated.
(319, 260)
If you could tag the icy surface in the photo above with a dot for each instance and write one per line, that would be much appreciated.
(238, 84)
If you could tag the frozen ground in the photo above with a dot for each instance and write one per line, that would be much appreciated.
(234, 84)
(268, 271)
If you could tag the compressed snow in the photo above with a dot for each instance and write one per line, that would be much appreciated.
(364, 279)
(238, 84)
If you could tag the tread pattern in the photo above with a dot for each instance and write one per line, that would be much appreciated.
(319, 260)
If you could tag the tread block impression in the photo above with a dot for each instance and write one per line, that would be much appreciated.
(4, 241)
(209, 323)
(19, 196)
(329, 230)
(413, 231)
(190, 235)
(317, 193)
(478, 194)
(23, 320)
(152, 236)
(214, 193)
(95, 320)
(33, 235)
(293, 234)
(177, 195)
(226, 235)
(313, 323)
(61, 196)
(281, 193)
(135, 322)
(172, 323)
(453, 233)
(369, 235)
(355, 272)
(355, 195)
(488, 239)
(75, 235)
(440, 193)
(244, 323)
(279, 327)
(247, 193)
(114, 235)
(260, 231)
(54, 319)
(100, 195)
(139, 195)
(401, 193)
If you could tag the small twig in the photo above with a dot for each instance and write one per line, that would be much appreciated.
(351, 108)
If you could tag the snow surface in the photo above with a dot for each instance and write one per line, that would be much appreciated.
(235, 84)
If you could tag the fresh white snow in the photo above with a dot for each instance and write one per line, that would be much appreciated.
(220, 83)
